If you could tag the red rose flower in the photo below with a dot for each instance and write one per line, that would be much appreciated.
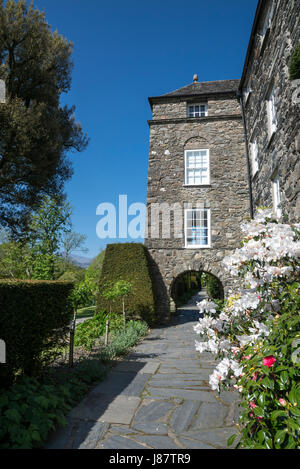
(269, 361)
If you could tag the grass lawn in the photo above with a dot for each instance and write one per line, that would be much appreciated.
(87, 312)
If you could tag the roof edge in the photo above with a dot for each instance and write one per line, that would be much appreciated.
(259, 7)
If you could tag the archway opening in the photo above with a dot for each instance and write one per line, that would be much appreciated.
(191, 285)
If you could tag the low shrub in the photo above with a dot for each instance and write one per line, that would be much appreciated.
(30, 409)
(128, 262)
(87, 333)
(34, 322)
(122, 341)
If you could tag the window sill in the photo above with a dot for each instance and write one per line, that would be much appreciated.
(196, 185)
(197, 247)
(200, 117)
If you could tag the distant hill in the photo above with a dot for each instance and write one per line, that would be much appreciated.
(81, 261)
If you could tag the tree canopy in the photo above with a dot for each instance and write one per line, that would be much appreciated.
(36, 132)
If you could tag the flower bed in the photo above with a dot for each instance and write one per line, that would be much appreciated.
(256, 334)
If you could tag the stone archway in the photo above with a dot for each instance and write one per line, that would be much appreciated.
(167, 265)
(190, 282)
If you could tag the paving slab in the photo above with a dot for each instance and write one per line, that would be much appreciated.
(119, 442)
(203, 396)
(183, 416)
(157, 442)
(122, 383)
(158, 397)
(102, 407)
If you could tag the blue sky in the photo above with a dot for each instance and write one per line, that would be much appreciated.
(125, 51)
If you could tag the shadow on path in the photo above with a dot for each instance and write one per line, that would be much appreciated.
(158, 397)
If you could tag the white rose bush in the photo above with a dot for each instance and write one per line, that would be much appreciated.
(255, 334)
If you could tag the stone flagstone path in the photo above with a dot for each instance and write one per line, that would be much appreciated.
(158, 398)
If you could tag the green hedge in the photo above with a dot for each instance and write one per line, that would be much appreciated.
(128, 261)
(214, 287)
(295, 64)
(34, 317)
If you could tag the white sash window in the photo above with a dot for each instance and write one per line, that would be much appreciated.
(276, 196)
(197, 228)
(196, 167)
(197, 110)
(271, 107)
(254, 157)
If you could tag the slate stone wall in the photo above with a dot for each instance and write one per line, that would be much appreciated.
(227, 195)
(269, 65)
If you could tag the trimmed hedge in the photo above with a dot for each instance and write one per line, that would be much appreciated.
(128, 261)
(34, 319)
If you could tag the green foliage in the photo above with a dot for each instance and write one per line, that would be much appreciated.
(48, 225)
(271, 395)
(82, 295)
(30, 409)
(34, 321)
(124, 340)
(73, 273)
(128, 262)
(88, 332)
(13, 260)
(93, 272)
(295, 64)
(213, 286)
(36, 133)
(88, 312)
(122, 289)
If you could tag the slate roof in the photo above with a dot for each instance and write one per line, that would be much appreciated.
(201, 88)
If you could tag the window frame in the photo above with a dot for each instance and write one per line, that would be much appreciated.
(193, 105)
(254, 152)
(186, 172)
(271, 112)
(266, 27)
(198, 246)
(276, 195)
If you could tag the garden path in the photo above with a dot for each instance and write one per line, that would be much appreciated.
(158, 398)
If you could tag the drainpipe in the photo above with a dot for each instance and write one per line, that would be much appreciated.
(240, 97)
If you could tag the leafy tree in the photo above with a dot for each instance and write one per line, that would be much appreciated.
(122, 289)
(12, 260)
(47, 228)
(35, 131)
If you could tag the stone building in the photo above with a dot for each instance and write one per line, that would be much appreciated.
(197, 162)
(270, 101)
(220, 149)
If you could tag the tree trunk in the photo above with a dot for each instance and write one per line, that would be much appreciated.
(124, 315)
